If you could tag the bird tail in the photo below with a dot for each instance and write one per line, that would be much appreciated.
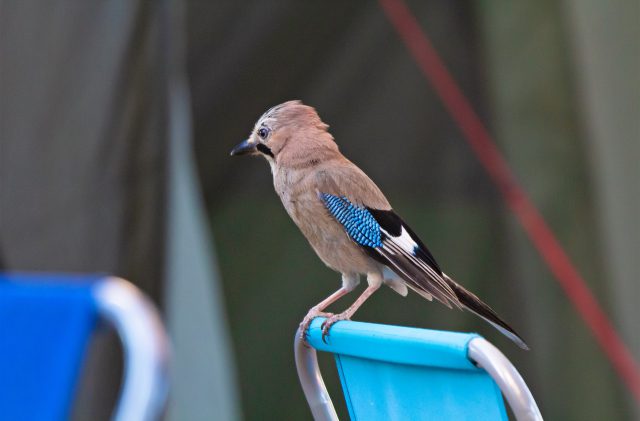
(475, 305)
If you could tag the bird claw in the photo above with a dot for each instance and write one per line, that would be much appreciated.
(306, 322)
(326, 325)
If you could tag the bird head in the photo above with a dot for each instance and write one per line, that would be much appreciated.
(287, 133)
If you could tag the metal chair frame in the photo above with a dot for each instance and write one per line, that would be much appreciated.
(146, 349)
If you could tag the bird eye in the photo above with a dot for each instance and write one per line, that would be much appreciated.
(263, 132)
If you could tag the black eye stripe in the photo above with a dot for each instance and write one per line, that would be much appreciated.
(264, 149)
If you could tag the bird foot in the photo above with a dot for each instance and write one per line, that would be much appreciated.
(330, 322)
(306, 322)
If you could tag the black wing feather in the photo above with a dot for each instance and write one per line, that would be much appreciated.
(422, 273)
(419, 269)
(392, 223)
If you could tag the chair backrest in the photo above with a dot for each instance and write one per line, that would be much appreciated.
(46, 322)
(397, 373)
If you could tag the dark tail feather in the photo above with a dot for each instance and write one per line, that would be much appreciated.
(475, 305)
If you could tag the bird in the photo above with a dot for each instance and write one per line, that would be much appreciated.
(347, 220)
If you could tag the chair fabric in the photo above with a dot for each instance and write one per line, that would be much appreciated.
(45, 325)
(397, 373)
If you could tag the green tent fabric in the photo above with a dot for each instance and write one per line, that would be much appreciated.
(203, 378)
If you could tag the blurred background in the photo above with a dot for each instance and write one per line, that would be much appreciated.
(116, 122)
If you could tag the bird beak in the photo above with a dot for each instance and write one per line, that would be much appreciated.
(244, 148)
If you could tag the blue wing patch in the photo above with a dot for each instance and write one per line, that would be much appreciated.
(358, 222)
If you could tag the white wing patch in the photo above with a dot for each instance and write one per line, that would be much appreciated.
(404, 245)
(404, 241)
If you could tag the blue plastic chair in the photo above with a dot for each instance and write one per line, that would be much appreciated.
(401, 373)
(46, 323)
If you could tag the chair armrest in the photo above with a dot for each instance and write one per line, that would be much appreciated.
(146, 349)
(515, 390)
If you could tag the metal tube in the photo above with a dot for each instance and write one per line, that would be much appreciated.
(146, 349)
(311, 380)
(515, 390)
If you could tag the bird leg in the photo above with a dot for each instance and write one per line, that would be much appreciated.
(346, 315)
(317, 310)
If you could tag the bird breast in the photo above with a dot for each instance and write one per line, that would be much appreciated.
(327, 237)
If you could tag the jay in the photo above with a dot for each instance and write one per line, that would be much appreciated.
(347, 220)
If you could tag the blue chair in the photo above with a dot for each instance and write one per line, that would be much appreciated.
(401, 373)
(46, 322)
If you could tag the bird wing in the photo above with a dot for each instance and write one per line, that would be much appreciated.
(369, 221)
(387, 239)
